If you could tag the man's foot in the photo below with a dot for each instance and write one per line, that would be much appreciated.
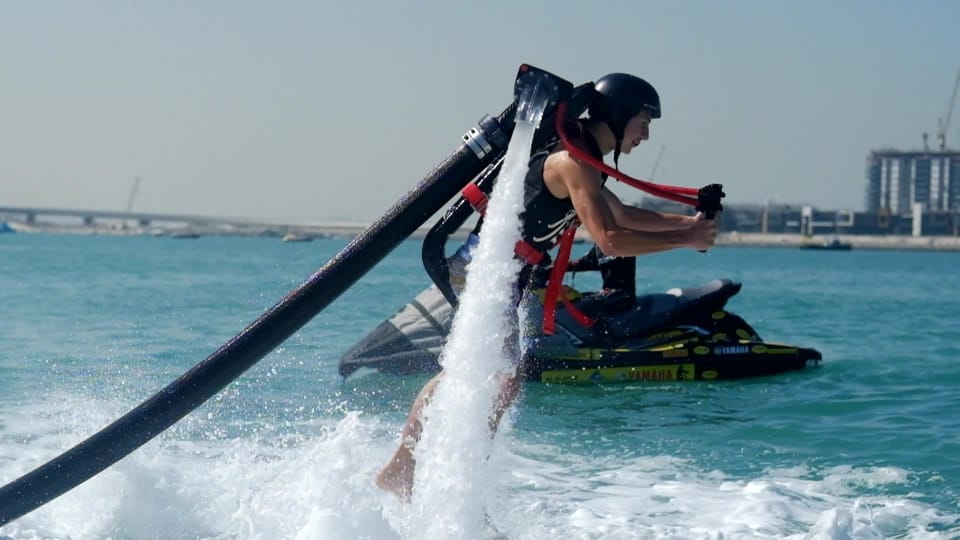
(397, 478)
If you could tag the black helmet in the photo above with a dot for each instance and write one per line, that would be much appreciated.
(619, 98)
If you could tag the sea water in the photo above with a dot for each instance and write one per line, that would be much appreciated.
(864, 446)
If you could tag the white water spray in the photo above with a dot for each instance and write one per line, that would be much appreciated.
(453, 476)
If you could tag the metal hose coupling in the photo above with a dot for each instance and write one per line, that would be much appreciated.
(486, 137)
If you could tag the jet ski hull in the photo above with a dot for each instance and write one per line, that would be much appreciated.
(687, 363)
(682, 335)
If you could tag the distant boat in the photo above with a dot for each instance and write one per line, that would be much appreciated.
(184, 234)
(834, 244)
(297, 237)
(5, 228)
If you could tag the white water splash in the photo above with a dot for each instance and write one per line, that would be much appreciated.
(311, 484)
(453, 476)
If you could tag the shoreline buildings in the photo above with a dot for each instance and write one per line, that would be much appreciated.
(901, 182)
(914, 193)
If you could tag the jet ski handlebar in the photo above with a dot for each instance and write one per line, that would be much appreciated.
(708, 200)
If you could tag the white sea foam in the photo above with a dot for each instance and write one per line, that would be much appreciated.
(316, 484)
(664, 497)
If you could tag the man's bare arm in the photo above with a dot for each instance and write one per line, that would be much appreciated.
(596, 212)
(642, 219)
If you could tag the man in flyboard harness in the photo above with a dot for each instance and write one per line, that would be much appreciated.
(560, 190)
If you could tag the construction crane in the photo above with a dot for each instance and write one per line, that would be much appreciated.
(133, 194)
(656, 163)
(945, 123)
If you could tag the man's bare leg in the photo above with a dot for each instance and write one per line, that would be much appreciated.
(397, 476)
(509, 390)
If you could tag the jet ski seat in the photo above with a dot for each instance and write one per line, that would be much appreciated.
(651, 311)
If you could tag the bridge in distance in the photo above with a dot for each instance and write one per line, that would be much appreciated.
(38, 217)
(33, 219)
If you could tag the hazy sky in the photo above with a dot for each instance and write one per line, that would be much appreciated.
(330, 111)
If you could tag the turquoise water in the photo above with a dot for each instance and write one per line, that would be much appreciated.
(865, 446)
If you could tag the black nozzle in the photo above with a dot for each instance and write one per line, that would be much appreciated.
(529, 75)
(708, 200)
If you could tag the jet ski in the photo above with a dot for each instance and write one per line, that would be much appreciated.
(683, 334)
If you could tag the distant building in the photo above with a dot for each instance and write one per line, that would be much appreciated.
(897, 180)
(807, 220)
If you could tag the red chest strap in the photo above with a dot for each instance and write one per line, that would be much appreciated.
(478, 200)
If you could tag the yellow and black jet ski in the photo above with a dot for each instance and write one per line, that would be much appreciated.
(684, 334)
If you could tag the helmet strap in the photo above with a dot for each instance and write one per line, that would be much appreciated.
(616, 154)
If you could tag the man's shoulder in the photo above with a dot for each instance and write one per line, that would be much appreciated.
(563, 168)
